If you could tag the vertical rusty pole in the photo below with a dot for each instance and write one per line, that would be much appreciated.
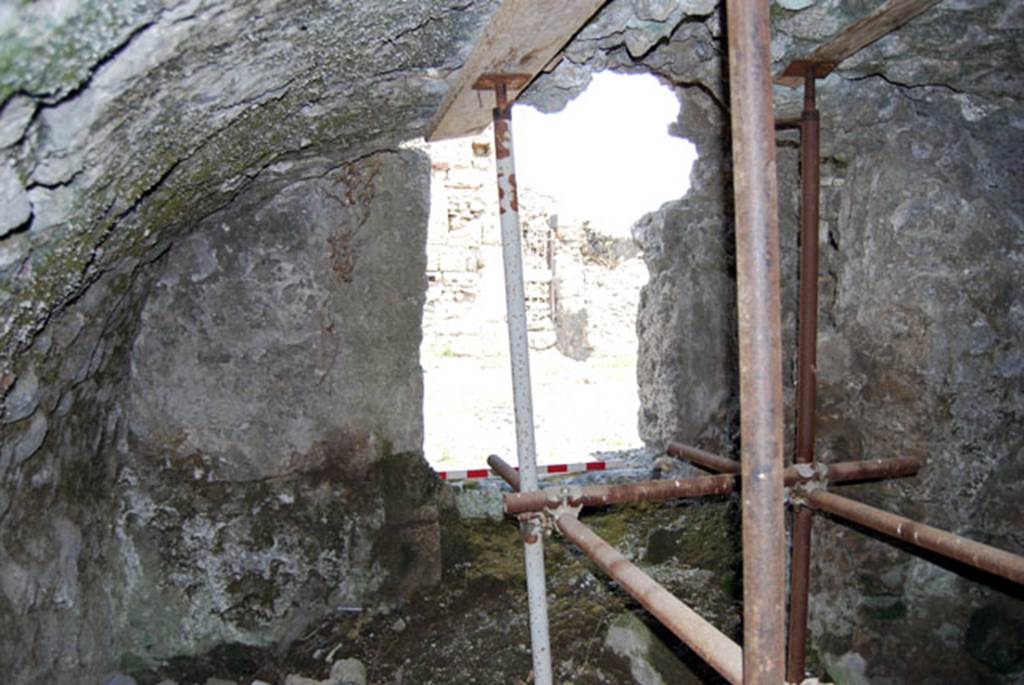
(760, 342)
(522, 396)
(800, 566)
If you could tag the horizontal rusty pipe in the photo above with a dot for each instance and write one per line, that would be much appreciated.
(703, 638)
(505, 470)
(601, 495)
(869, 469)
(706, 460)
(656, 490)
(980, 556)
(787, 122)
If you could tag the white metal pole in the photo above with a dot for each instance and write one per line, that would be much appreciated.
(519, 351)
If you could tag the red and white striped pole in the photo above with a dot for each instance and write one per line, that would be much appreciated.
(548, 469)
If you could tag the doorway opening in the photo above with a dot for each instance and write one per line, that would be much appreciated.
(586, 175)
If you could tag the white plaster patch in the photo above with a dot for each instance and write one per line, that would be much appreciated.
(16, 206)
(794, 5)
(972, 109)
(18, 586)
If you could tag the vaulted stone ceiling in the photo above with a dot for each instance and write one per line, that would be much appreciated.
(124, 123)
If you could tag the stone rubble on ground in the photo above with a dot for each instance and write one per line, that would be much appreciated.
(120, 679)
(294, 679)
(343, 672)
(482, 498)
(347, 672)
(650, 661)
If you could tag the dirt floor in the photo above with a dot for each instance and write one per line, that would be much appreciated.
(474, 627)
(580, 408)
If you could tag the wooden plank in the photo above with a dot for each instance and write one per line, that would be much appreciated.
(855, 37)
(522, 38)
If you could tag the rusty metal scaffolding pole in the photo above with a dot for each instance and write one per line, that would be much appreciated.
(724, 655)
(703, 638)
(806, 412)
(711, 462)
(975, 554)
(700, 486)
(760, 342)
(625, 493)
(505, 470)
(519, 352)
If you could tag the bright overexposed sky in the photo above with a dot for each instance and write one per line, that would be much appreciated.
(608, 156)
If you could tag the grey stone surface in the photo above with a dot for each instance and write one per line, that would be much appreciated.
(14, 119)
(273, 377)
(295, 679)
(23, 397)
(794, 4)
(28, 442)
(483, 502)
(848, 669)
(686, 366)
(920, 330)
(651, 662)
(16, 207)
(132, 544)
(954, 45)
(348, 672)
(136, 120)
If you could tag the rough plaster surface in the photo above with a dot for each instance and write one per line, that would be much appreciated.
(686, 366)
(274, 374)
(921, 357)
(274, 328)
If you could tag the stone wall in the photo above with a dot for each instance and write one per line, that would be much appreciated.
(59, 461)
(210, 435)
(920, 355)
(222, 445)
(274, 392)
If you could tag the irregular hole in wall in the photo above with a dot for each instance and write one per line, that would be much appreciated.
(586, 175)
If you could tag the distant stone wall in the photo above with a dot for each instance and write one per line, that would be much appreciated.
(581, 287)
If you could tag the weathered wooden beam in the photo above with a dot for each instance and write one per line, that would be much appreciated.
(855, 37)
(522, 38)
